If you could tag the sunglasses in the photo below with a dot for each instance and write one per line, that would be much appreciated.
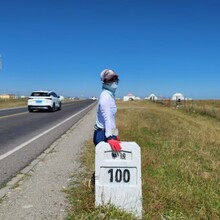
(113, 79)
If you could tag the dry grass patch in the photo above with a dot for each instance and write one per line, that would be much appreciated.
(180, 159)
(7, 103)
(180, 163)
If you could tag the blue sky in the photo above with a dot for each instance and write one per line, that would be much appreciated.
(156, 46)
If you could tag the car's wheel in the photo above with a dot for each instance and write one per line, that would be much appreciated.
(30, 110)
(59, 108)
(53, 108)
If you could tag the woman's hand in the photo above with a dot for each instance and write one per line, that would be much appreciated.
(115, 145)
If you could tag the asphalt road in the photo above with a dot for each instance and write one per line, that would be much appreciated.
(24, 135)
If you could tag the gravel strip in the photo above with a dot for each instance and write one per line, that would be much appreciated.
(37, 193)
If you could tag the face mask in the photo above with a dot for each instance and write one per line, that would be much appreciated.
(111, 87)
(114, 85)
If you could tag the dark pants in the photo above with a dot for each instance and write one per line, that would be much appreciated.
(99, 135)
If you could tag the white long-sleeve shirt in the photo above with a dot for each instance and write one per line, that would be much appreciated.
(106, 113)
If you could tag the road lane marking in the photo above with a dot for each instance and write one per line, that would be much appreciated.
(3, 156)
(7, 116)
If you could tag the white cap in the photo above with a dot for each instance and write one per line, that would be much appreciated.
(107, 74)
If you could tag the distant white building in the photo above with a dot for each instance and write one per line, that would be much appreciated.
(7, 96)
(151, 97)
(177, 97)
(137, 98)
(129, 97)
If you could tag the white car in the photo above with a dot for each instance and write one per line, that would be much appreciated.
(44, 100)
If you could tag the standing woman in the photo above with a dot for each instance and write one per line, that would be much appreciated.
(105, 127)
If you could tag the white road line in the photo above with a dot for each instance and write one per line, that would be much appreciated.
(7, 116)
(3, 156)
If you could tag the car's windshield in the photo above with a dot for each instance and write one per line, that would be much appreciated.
(40, 94)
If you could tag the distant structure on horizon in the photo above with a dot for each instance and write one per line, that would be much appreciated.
(7, 96)
(151, 97)
(130, 97)
(175, 97)
(178, 97)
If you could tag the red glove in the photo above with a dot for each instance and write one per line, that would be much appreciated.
(115, 145)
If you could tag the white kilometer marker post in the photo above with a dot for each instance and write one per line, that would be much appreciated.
(118, 178)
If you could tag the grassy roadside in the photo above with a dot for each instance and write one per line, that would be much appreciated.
(7, 103)
(180, 165)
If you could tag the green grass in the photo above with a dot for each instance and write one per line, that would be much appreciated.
(180, 164)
